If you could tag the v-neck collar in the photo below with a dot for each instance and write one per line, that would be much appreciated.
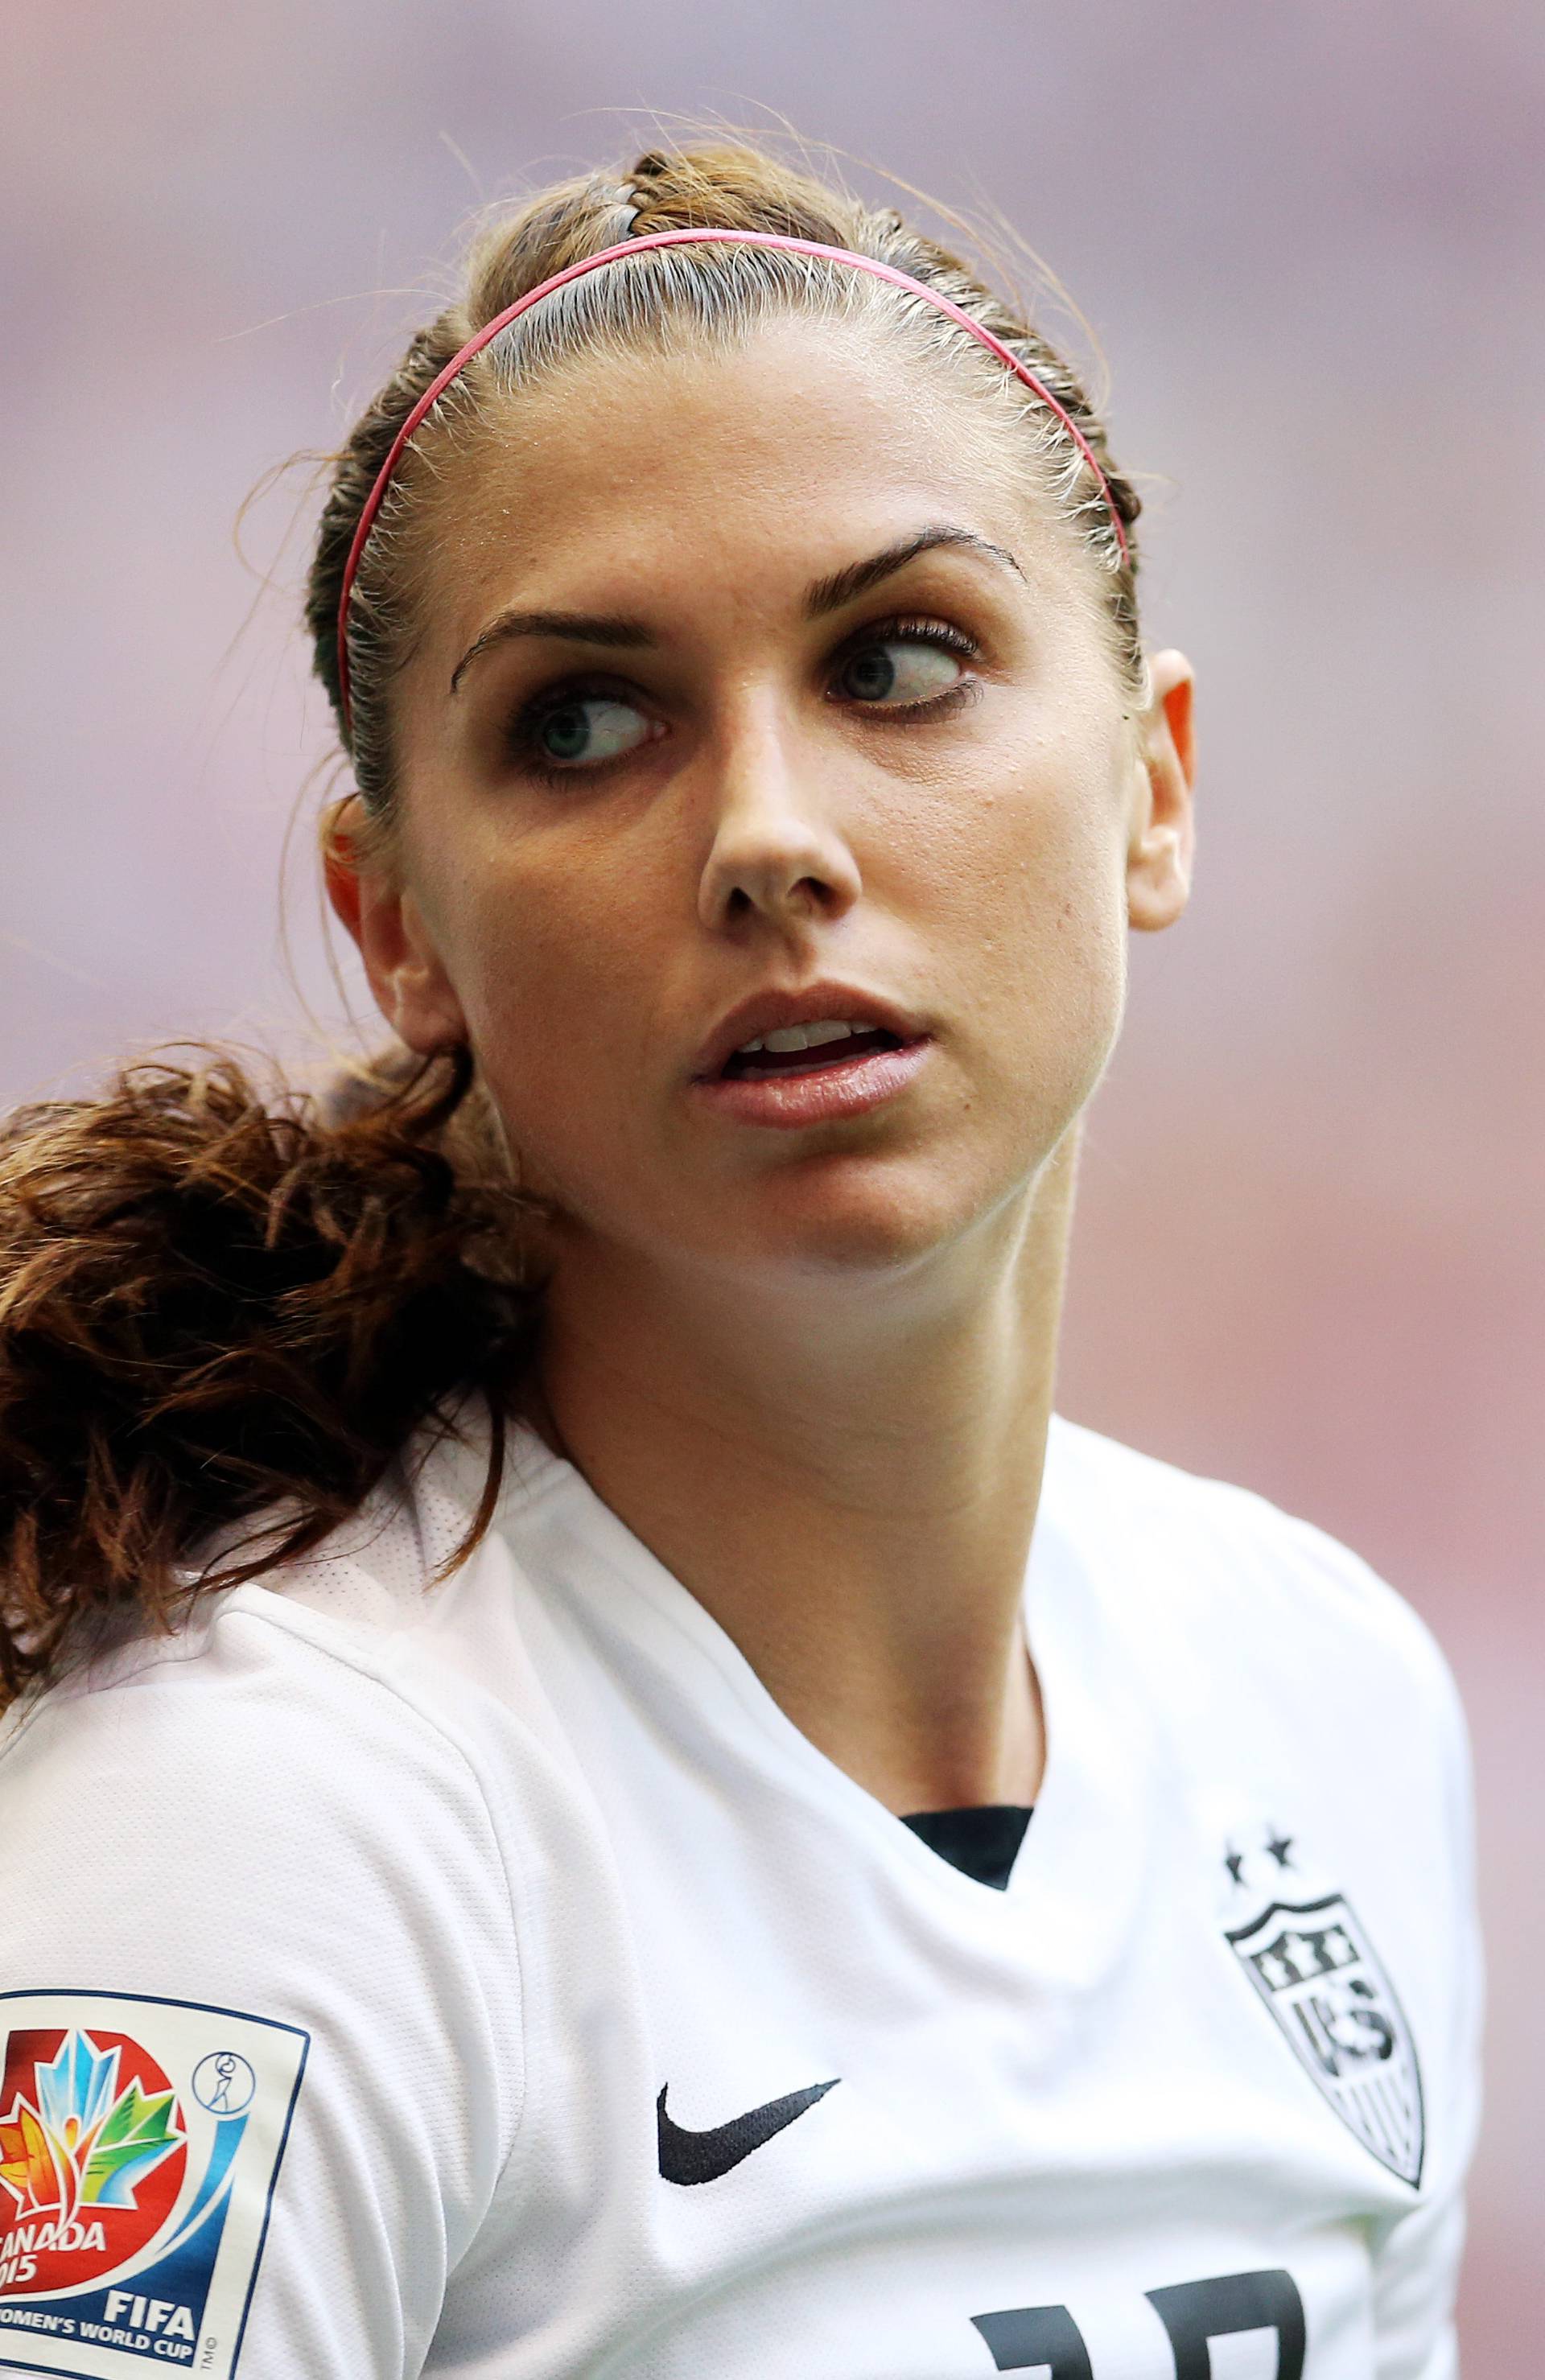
(1082, 1863)
(982, 1838)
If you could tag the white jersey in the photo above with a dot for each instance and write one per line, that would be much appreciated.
(488, 1978)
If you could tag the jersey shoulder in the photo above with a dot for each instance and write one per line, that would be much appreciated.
(260, 1834)
(303, 1680)
(1206, 1562)
(250, 1719)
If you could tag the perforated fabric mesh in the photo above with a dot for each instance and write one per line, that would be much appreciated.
(521, 1852)
(378, 1568)
(373, 1571)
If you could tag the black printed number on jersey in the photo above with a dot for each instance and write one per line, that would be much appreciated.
(1027, 2338)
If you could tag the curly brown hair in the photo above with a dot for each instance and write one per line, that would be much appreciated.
(225, 1309)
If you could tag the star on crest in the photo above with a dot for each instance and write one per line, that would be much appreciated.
(1278, 1846)
(1235, 1863)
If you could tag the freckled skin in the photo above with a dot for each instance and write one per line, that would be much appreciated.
(862, 1314)
(590, 934)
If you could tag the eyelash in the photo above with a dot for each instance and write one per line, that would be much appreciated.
(525, 726)
(917, 632)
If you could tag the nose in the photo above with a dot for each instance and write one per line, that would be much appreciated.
(777, 849)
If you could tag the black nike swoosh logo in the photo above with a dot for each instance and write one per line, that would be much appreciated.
(702, 2156)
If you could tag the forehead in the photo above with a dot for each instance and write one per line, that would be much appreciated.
(736, 469)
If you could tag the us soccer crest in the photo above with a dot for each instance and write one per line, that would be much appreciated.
(140, 2143)
(1312, 1963)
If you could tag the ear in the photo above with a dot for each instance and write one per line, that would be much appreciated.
(1161, 840)
(384, 918)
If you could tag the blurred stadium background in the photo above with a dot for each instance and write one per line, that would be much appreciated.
(1308, 236)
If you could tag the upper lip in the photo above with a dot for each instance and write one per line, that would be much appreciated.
(766, 1011)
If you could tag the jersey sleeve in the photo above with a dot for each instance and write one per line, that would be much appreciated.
(259, 1885)
(1417, 2267)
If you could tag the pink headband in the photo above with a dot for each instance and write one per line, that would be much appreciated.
(491, 331)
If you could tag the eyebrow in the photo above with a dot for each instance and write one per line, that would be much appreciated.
(824, 595)
(572, 627)
(846, 586)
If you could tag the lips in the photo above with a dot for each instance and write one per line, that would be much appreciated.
(815, 1095)
(822, 1053)
(769, 1012)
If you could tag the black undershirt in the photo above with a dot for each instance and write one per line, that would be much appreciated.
(982, 1841)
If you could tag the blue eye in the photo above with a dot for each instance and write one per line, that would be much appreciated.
(903, 669)
(588, 728)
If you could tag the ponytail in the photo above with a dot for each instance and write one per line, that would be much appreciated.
(214, 1307)
(217, 1311)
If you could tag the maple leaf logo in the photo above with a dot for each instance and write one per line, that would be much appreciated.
(85, 2142)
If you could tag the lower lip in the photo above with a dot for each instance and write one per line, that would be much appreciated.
(823, 1095)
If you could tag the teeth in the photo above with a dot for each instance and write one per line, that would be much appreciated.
(804, 1036)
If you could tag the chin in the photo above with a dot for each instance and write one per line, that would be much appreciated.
(843, 1217)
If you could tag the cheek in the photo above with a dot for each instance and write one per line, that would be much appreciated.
(550, 980)
(1024, 898)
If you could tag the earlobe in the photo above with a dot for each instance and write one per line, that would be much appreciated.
(383, 920)
(1163, 841)
(424, 1008)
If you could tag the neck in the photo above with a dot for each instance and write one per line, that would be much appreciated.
(846, 1477)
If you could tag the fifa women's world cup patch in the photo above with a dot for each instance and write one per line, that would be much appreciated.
(139, 2145)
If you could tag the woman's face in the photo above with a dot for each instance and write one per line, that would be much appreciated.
(746, 673)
